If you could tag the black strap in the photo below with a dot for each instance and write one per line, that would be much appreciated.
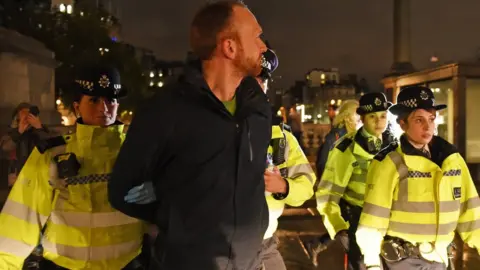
(279, 146)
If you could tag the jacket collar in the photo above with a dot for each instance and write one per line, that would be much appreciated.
(440, 149)
(99, 136)
(369, 146)
(249, 95)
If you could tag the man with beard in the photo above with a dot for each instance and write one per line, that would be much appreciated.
(205, 157)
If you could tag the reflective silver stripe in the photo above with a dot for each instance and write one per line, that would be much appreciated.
(422, 229)
(23, 212)
(361, 178)
(469, 226)
(15, 247)
(327, 185)
(301, 170)
(363, 227)
(92, 220)
(328, 198)
(91, 253)
(425, 207)
(376, 210)
(471, 203)
(352, 194)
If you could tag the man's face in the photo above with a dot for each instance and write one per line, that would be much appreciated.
(375, 123)
(331, 112)
(97, 111)
(23, 114)
(249, 45)
(420, 126)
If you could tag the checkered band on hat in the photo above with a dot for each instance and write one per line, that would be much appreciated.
(417, 174)
(453, 173)
(85, 84)
(367, 108)
(88, 179)
(411, 103)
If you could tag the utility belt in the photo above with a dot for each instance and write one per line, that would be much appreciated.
(395, 249)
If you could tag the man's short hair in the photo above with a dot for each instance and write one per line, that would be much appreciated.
(207, 24)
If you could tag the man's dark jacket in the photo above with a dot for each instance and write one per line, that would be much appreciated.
(207, 167)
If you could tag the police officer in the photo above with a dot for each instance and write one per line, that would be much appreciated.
(62, 190)
(419, 193)
(342, 186)
(289, 178)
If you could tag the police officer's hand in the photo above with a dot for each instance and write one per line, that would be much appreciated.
(143, 194)
(274, 181)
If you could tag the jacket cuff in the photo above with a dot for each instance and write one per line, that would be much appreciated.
(372, 259)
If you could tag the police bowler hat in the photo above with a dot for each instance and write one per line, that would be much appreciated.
(414, 98)
(373, 102)
(99, 82)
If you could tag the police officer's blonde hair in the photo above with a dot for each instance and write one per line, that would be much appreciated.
(345, 112)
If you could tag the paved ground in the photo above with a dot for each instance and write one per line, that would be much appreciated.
(300, 223)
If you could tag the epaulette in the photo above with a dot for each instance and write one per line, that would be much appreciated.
(344, 144)
(385, 151)
(44, 145)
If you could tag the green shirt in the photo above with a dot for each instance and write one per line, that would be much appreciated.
(231, 105)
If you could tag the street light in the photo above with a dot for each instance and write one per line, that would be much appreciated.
(62, 8)
(69, 9)
(160, 84)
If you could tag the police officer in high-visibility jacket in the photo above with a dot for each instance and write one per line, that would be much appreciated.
(289, 178)
(62, 190)
(342, 186)
(419, 193)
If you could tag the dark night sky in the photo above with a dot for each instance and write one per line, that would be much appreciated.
(352, 35)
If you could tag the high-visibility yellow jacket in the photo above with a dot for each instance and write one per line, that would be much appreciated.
(418, 199)
(82, 230)
(300, 178)
(344, 177)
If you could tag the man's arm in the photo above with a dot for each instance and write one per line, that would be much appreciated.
(301, 176)
(141, 154)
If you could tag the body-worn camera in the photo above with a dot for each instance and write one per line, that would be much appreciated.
(67, 165)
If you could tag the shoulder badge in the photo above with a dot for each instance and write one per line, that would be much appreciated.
(44, 145)
(385, 151)
(344, 144)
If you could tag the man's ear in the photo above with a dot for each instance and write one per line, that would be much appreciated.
(229, 48)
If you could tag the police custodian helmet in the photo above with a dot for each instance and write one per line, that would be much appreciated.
(100, 82)
(373, 102)
(413, 98)
(269, 64)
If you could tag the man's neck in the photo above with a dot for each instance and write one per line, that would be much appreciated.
(221, 79)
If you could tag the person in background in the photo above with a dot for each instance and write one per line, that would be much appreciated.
(295, 122)
(419, 193)
(26, 130)
(60, 197)
(332, 113)
(342, 186)
(207, 173)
